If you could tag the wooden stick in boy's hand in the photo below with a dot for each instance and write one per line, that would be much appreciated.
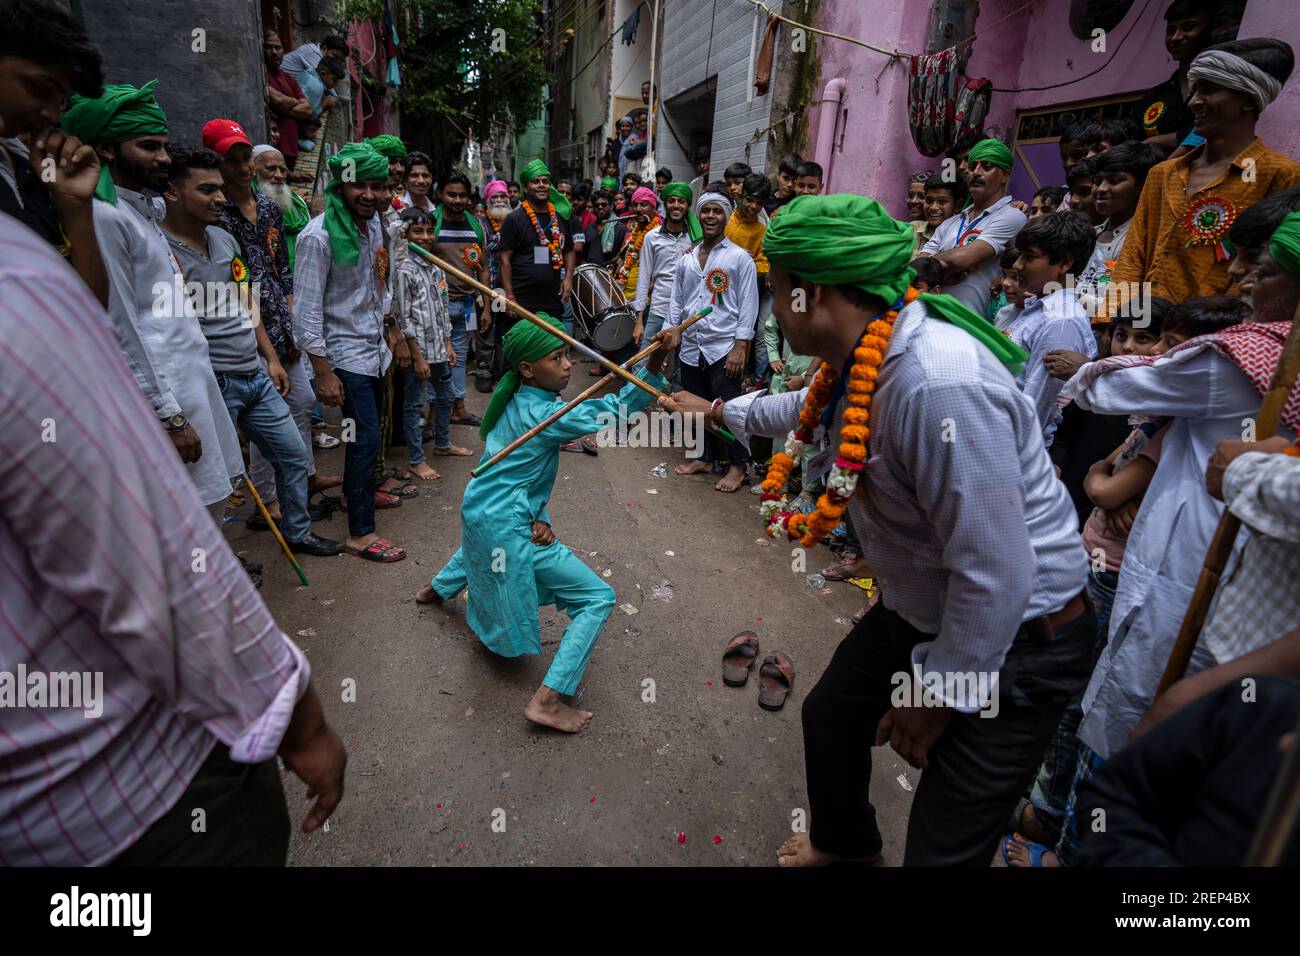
(656, 345)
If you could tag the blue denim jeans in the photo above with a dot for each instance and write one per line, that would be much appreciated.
(653, 326)
(361, 397)
(256, 407)
(462, 312)
(437, 390)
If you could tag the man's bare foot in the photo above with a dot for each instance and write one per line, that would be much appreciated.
(732, 480)
(546, 708)
(799, 851)
(1018, 853)
(452, 450)
(424, 472)
(275, 513)
(323, 482)
(427, 595)
(692, 467)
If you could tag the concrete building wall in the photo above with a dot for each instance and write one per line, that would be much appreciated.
(1033, 48)
(714, 38)
(144, 40)
(629, 64)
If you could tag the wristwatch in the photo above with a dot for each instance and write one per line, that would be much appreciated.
(175, 423)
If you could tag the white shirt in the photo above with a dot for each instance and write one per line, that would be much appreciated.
(155, 331)
(996, 226)
(734, 313)
(1208, 397)
(972, 537)
(1056, 321)
(654, 278)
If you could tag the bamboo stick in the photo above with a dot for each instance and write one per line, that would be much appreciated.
(261, 506)
(578, 400)
(1266, 422)
(559, 333)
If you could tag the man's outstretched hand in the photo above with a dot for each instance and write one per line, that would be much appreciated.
(685, 403)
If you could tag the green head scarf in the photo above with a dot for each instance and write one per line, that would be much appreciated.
(610, 183)
(524, 342)
(535, 169)
(683, 191)
(123, 112)
(991, 151)
(389, 145)
(1284, 245)
(850, 240)
(355, 162)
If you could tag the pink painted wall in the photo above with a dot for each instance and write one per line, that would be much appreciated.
(1035, 47)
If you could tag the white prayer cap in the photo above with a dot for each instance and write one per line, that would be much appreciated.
(263, 148)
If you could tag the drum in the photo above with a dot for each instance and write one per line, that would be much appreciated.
(601, 309)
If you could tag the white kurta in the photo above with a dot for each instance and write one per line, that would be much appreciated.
(142, 276)
(1208, 398)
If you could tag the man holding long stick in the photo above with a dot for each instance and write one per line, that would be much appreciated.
(974, 540)
(509, 557)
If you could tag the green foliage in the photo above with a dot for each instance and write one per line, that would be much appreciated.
(468, 65)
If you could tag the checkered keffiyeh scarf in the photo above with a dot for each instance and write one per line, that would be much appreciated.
(1254, 347)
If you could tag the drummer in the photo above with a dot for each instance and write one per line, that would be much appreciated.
(663, 247)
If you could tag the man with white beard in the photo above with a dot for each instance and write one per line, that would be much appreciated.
(496, 196)
(272, 181)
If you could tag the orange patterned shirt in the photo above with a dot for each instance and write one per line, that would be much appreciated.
(1157, 249)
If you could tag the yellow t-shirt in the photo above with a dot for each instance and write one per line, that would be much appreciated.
(749, 236)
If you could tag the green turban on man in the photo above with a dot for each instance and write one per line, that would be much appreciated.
(990, 151)
(389, 145)
(850, 240)
(123, 112)
(354, 163)
(536, 169)
(610, 183)
(525, 342)
(683, 191)
(1284, 244)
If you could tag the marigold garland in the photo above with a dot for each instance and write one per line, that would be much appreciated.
(634, 243)
(553, 243)
(842, 481)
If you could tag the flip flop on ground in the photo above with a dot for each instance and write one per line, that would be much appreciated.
(738, 657)
(775, 681)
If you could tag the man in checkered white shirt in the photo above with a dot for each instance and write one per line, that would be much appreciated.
(973, 539)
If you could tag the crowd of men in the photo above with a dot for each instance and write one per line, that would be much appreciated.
(169, 291)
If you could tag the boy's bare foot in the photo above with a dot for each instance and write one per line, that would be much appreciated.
(424, 472)
(693, 467)
(546, 708)
(427, 595)
(452, 450)
(732, 480)
(799, 851)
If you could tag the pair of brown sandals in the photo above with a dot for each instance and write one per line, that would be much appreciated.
(775, 674)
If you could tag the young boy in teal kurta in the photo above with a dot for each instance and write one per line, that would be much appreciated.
(509, 557)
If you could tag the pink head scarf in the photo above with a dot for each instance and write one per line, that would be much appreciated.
(646, 194)
(497, 186)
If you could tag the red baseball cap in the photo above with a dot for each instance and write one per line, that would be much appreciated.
(221, 134)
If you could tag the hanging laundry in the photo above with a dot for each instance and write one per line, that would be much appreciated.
(942, 107)
(630, 25)
(766, 53)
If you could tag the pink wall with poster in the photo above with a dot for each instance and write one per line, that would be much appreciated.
(869, 147)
